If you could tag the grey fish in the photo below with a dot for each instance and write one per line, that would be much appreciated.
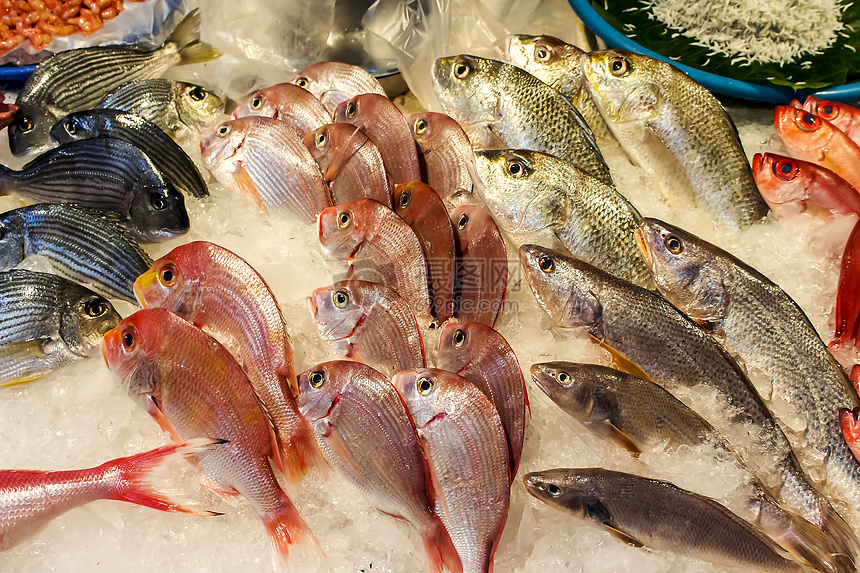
(528, 191)
(641, 327)
(175, 107)
(635, 90)
(760, 323)
(659, 515)
(557, 64)
(165, 154)
(81, 244)
(106, 174)
(47, 322)
(75, 80)
(518, 108)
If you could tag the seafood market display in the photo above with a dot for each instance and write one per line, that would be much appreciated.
(388, 338)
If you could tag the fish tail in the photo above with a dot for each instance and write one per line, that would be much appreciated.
(288, 528)
(186, 36)
(440, 549)
(127, 477)
(841, 539)
(797, 536)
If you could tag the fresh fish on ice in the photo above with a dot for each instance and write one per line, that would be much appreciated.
(445, 156)
(335, 82)
(288, 103)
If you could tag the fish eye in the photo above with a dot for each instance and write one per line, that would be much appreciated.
(459, 337)
(827, 111)
(405, 199)
(158, 202)
(167, 275)
(351, 108)
(96, 307)
(546, 264)
(224, 129)
(541, 53)
(420, 126)
(618, 66)
(424, 385)
(674, 245)
(321, 139)
(786, 169)
(340, 298)
(302, 82)
(808, 122)
(344, 219)
(197, 93)
(563, 378)
(256, 102)
(25, 124)
(464, 220)
(129, 338)
(516, 168)
(553, 490)
(70, 127)
(461, 70)
(317, 378)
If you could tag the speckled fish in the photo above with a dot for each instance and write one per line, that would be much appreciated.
(809, 137)
(556, 63)
(288, 103)
(365, 431)
(106, 174)
(517, 108)
(445, 156)
(217, 289)
(640, 327)
(74, 80)
(165, 154)
(422, 209)
(639, 90)
(482, 266)
(336, 82)
(194, 388)
(464, 444)
(483, 357)
(385, 125)
(47, 322)
(661, 516)
(379, 246)
(350, 163)
(369, 322)
(528, 191)
(843, 116)
(81, 244)
(792, 186)
(178, 108)
(265, 159)
(30, 500)
(759, 322)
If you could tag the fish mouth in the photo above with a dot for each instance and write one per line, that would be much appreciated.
(643, 245)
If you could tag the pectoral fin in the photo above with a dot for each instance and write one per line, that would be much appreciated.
(625, 537)
(621, 362)
(22, 352)
(246, 185)
(615, 434)
(641, 104)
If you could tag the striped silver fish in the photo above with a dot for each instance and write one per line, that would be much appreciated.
(175, 107)
(106, 174)
(47, 322)
(81, 244)
(167, 156)
(75, 80)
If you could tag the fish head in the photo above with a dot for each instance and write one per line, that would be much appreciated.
(426, 128)
(198, 106)
(568, 490)
(413, 200)
(801, 132)
(223, 144)
(779, 179)
(550, 59)
(131, 350)
(12, 239)
(525, 190)
(158, 212)
(73, 127)
(460, 343)
(568, 289)
(337, 310)
(174, 280)
(829, 110)
(624, 86)
(685, 269)
(343, 228)
(85, 317)
(257, 104)
(319, 144)
(351, 110)
(568, 385)
(467, 87)
(429, 393)
(316, 78)
(320, 388)
(29, 132)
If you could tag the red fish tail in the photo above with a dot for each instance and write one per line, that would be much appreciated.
(440, 549)
(288, 528)
(127, 477)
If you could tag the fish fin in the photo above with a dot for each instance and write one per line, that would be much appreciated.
(798, 537)
(228, 494)
(842, 541)
(847, 309)
(300, 450)
(186, 36)
(440, 549)
(341, 452)
(246, 185)
(615, 434)
(22, 351)
(274, 448)
(343, 155)
(621, 362)
(625, 537)
(133, 486)
(640, 105)
(158, 415)
(288, 528)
